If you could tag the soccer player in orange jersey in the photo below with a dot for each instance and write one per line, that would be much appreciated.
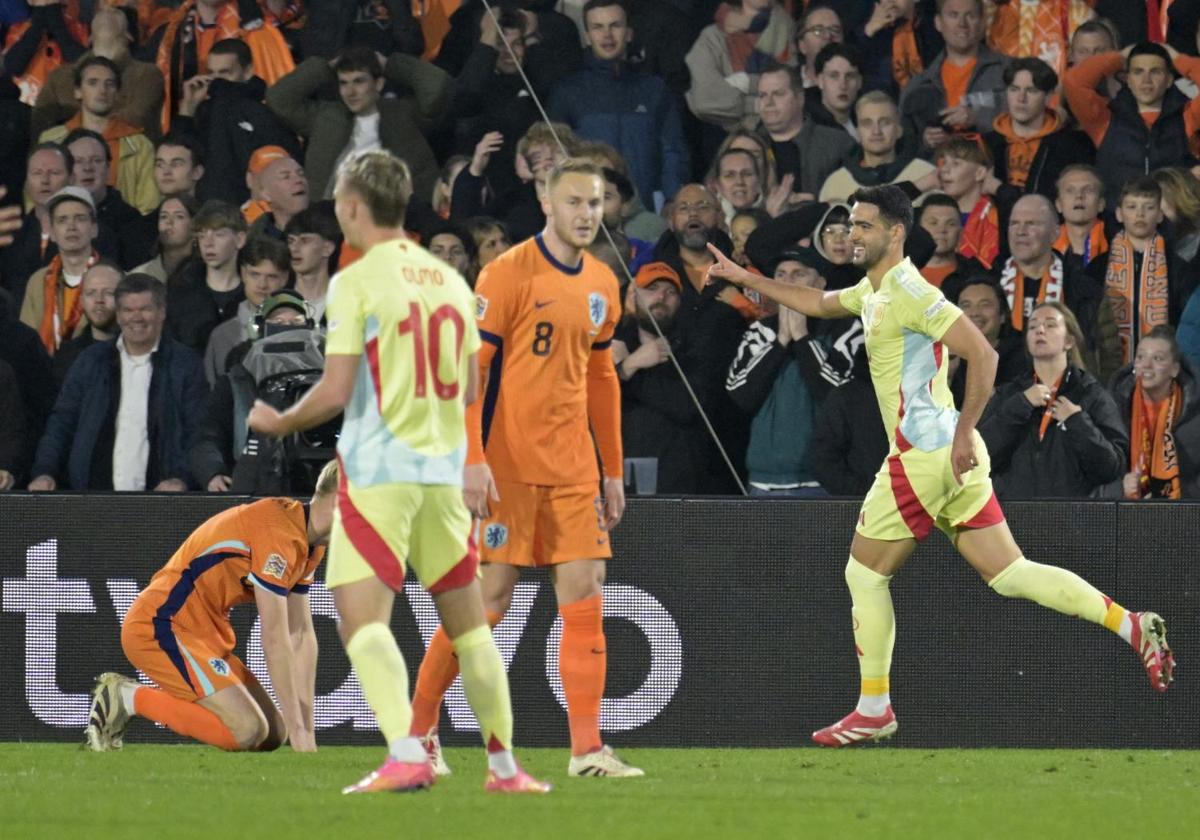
(546, 311)
(178, 634)
(400, 359)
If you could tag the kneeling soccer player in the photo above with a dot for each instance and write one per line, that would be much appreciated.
(178, 633)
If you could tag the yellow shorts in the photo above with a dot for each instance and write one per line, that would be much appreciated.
(533, 525)
(915, 490)
(376, 529)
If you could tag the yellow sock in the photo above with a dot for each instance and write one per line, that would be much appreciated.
(486, 686)
(1059, 590)
(380, 668)
(874, 635)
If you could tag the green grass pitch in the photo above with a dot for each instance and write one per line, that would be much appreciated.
(56, 790)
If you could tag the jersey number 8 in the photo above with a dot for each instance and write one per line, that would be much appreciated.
(431, 362)
(541, 338)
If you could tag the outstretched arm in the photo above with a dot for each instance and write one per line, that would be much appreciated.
(812, 302)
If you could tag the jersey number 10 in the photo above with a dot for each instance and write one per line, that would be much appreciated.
(430, 363)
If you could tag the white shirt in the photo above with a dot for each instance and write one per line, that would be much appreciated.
(131, 448)
(363, 138)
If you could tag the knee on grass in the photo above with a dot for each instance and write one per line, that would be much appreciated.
(251, 732)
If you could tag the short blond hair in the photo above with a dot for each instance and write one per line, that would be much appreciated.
(573, 166)
(384, 183)
(327, 481)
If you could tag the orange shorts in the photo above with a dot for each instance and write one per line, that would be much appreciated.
(188, 666)
(533, 525)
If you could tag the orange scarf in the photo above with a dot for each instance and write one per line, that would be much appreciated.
(1123, 289)
(906, 58)
(1042, 30)
(981, 234)
(1152, 454)
(1047, 414)
(1022, 150)
(60, 320)
(1013, 283)
(1094, 244)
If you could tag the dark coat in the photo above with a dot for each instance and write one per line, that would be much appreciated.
(876, 50)
(1186, 429)
(14, 432)
(849, 442)
(1130, 150)
(331, 26)
(192, 311)
(78, 441)
(925, 94)
(119, 216)
(1055, 152)
(633, 112)
(22, 349)
(821, 151)
(229, 126)
(1074, 460)
(716, 327)
(558, 47)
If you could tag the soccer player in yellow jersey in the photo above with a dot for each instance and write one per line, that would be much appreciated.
(400, 361)
(936, 472)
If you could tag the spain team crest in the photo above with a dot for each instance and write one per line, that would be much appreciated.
(597, 308)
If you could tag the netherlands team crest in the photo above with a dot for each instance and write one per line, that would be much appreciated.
(495, 535)
(597, 308)
(219, 667)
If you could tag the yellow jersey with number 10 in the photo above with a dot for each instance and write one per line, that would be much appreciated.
(410, 317)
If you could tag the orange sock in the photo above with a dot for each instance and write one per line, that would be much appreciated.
(188, 719)
(437, 673)
(582, 661)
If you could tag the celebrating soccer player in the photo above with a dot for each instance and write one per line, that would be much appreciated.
(547, 310)
(178, 634)
(936, 472)
(400, 360)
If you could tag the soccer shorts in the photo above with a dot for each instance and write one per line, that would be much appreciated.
(915, 490)
(375, 529)
(186, 665)
(533, 525)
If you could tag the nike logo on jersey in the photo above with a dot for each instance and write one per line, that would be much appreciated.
(538, 304)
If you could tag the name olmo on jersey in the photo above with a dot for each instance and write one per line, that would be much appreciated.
(42, 595)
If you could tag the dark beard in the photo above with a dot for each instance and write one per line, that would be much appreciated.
(663, 318)
(693, 241)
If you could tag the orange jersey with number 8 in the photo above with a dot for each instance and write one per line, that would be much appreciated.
(545, 321)
(408, 315)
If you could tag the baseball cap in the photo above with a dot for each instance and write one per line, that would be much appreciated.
(71, 193)
(264, 156)
(284, 298)
(651, 272)
(806, 256)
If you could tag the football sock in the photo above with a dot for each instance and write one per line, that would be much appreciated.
(188, 719)
(1063, 591)
(582, 662)
(380, 668)
(874, 635)
(437, 673)
(486, 686)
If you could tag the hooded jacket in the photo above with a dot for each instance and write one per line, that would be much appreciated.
(1045, 155)
(229, 126)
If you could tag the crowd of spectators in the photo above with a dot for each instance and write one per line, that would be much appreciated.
(167, 172)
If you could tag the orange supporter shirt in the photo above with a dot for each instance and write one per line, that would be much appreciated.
(936, 274)
(263, 544)
(955, 79)
(542, 323)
